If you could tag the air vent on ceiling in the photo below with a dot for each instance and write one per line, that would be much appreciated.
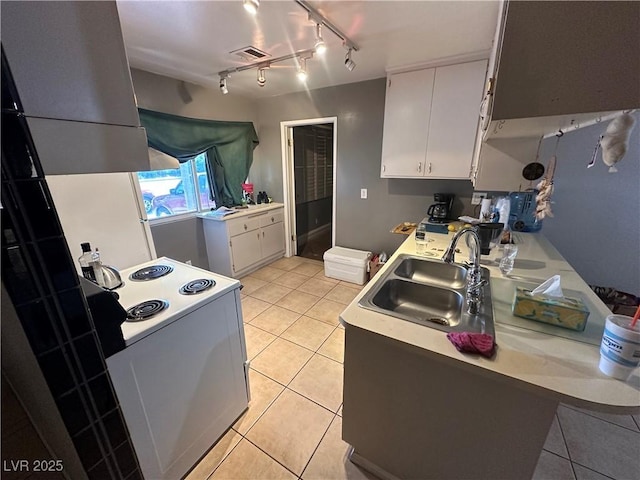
(251, 54)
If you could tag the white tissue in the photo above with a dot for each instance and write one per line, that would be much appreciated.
(550, 287)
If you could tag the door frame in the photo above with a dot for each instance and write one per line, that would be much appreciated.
(288, 179)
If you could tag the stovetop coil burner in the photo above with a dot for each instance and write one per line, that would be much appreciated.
(151, 272)
(145, 310)
(196, 286)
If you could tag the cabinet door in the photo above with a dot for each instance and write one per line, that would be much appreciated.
(455, 111)
(272, 239)
(245, 250)
(406, 123)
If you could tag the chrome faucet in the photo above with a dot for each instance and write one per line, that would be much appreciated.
(474, 275)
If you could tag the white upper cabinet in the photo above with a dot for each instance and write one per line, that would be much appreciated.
(68, 61)
(430, 122)
(407, 111)
(72, 76)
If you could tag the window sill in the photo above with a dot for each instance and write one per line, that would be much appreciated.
(173, 218)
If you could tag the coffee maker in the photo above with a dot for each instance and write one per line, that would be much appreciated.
(439, 211)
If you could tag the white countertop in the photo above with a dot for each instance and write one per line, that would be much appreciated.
(242, 212)
(548, 365)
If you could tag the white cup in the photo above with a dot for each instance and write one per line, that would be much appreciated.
(620, 347)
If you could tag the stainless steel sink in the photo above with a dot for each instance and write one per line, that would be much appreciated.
(447, 275)
(430, 293)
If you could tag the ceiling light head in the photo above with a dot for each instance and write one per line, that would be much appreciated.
(320, 46)
(251, 6)
(348, 62)
(261, 78)
(223, 85)
(302, 70)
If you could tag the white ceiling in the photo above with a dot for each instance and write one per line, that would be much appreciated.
(191, 40)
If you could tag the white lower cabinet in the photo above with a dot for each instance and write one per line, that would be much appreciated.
(237, 246)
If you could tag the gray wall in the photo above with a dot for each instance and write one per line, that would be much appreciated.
(359, 107)
(184, 239)
(596, 224)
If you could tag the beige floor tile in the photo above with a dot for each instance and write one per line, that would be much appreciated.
(268, 274)
(316, 286)
(250, 284)
(340, 410)
(307, 268)
(298, 301)
(248, 462)
(322, 276)
(270, 292)
(326, 311)
(600, 445)
(291, 280)
(330, 459)
(333, 347)
(551, 466)
(554, 442)
(352, 285)
(281, 361)
(290, 430)
(287, 263)
(313, 261)
(275, 319)
(308, 332)
(342, 293)
(257, 340)
(622, 420)
(215, 456)
(251, 307)
(263, 392)
(320, 380)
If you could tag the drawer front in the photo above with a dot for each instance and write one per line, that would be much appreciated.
(271, 217)
(242, 225)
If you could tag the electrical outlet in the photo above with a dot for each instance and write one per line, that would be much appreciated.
(363, 193)
(477, 197)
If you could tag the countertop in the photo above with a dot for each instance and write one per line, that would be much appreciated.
(561, 368)
(243, 212)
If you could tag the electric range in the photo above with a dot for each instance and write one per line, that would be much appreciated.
(152, 295)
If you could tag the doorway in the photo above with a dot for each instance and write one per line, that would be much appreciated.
(309, 159)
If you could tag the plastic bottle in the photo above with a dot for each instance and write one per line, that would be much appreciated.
(90, 264)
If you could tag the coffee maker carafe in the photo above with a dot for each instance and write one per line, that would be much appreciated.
(439, 211)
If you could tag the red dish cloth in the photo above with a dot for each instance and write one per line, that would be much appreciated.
(467, 342)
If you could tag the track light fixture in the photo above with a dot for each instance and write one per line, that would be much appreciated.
(261, 78)
(302, 70)
(348, 62)
(320, 47)
(223, 85)
(251, 6)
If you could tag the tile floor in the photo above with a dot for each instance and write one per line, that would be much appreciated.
(292, 429)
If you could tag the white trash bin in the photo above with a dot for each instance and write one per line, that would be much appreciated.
(347, 264)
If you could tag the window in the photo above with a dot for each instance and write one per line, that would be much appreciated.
(173, 191)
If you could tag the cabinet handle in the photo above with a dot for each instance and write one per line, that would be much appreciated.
(429, 167)
(419, 167)
(262, 234)
(271, 219)
(245, 226)
(384, 167)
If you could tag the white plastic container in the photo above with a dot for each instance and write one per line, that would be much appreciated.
(347, 264)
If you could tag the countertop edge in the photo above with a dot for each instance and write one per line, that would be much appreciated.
(563, 369)
(241, 213)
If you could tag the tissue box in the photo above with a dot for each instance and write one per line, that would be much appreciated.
(565, 312)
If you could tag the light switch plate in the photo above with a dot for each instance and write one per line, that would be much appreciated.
(477, 197)
(363, 193)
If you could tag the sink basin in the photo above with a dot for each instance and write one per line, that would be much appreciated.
(430, 293)
(443, 307)
(434, 273)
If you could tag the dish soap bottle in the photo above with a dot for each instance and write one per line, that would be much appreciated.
(90, 264)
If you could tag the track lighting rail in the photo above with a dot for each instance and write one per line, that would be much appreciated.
(317, 17)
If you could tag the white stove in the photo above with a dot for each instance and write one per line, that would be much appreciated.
(170, 276)
(182, 379)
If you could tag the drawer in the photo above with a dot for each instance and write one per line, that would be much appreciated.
(242, 225)
(271, 217)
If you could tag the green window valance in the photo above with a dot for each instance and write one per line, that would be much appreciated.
(228, 145)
